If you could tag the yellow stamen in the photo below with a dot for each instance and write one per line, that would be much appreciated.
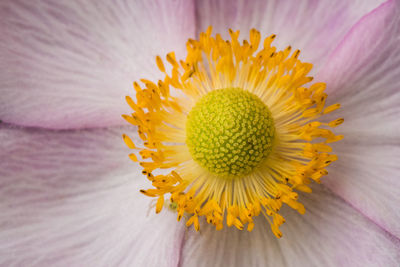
(243, 135)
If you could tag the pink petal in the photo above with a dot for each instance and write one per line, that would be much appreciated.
(367, 176)
(315, 27)
(72, 199)
(364, 76)
(330, 234)
(69, 64)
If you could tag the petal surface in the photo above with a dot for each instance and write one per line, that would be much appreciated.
(314, 27)
(363, 75)
(69, 64)
(331, 233)
(72, 199)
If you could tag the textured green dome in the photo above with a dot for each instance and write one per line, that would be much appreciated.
(230, 132)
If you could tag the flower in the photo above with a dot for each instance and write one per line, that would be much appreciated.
(69, 194)
(244, 134)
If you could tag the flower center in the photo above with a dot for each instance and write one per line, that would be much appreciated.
(230, 132)
(266, 127)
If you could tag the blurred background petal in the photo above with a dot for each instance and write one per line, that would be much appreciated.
(69, 64)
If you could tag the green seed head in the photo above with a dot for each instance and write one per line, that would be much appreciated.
(230, 132)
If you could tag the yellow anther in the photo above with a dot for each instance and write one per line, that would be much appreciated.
(331, 108)
(160, 64)
(172, 60)
(131, 120)
(334, 138)
(137, 87)
(276, 231)
(250, 226)
(128, 141)
(160, 203)
(336, 122)
(148, 193)
(303, 188)
(133, 157)
(311, 112)
(255, 38)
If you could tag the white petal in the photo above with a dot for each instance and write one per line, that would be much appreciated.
(367, 176)
(314, 27)
(72, 199)
(69, 64)
(330, 234)
(364, 76)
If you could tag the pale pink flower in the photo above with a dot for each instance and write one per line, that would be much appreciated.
(69, 195)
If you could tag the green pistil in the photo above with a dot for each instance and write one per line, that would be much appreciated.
(230, 132)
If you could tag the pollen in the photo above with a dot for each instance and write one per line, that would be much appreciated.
(230, 132)
(233, 131)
